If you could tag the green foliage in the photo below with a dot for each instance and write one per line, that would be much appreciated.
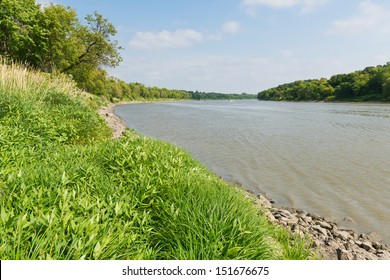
(22, 31)
(67, 191)
(215, 95)
(370, 84)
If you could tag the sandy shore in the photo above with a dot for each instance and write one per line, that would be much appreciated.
(330, 240)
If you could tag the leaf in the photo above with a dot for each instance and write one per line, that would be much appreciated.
(233, 251)
(97, 250)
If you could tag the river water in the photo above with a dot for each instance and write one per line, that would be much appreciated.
(332, 159)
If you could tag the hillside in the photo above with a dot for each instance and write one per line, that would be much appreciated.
(69, 191)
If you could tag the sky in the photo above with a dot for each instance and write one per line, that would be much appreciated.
(236, 46)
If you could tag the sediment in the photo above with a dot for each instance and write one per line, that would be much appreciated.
(331, 241)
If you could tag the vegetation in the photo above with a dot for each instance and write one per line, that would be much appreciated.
(68, 191)
(370, 84)
(53, 40)
(214, 95)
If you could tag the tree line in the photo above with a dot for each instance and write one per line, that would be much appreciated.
(370, 84)
(54, 40)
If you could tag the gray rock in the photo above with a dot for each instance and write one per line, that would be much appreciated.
(316, 217)
(292, 221)
(307, 219)
(320, 230)
(383, 255)
(344, 255)
(264, 202)
(343, 235)
(324, 225)
(366, 245)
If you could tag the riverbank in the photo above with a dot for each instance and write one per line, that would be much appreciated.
(331, 240)
(69, 191)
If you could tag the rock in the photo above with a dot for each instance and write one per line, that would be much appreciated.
(378, 246)
(383, 255)
(343, 235)
(307, 219)
(366, 245)
(332, 242)
(264, 202)
(324, 225)
(271, 217)
(284, 213)
(316, 217)
(320, 230)
(344, 255)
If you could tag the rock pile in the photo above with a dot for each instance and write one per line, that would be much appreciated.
(332, 242)
(117, 124)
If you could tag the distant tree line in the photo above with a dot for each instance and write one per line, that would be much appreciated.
(370, 84)
(215, 95)
(53, 39)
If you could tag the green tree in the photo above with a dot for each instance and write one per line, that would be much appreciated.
(64, 37)
(72, 44)
(23, 33)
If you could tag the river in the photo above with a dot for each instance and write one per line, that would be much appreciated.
(332, 159)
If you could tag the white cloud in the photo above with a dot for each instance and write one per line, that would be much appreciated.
(224, 73)
(306, 5)
(165, 39)
(231, 27)
(287, 53)
(372, 19)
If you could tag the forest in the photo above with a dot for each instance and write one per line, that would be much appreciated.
(370, 84)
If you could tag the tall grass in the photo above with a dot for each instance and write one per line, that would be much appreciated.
(27, 83)
(48, 108)
(67, 191)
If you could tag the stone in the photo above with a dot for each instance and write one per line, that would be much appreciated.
(343, 235)
(271, 218)
(324, 225)
(316, 217)
(366, 245)
(377, 246)
(292, 221)
(344, 254)
(264, 202)
(307, 219)
(383, 255)
(358, 242)
(320, 230)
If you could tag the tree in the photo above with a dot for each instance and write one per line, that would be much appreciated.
(63, 37)
(72, 44)
(23, 36)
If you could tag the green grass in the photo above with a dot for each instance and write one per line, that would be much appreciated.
(67, 191)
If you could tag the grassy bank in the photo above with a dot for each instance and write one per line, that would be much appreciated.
(68, 191)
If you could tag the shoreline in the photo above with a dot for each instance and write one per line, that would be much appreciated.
(332, 241)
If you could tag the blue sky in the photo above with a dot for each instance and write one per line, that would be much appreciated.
(242, 45)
